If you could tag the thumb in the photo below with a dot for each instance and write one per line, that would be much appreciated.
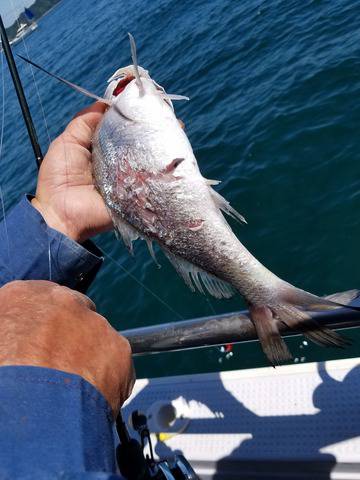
(80, 130)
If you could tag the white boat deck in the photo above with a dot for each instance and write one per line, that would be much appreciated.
(298, 421)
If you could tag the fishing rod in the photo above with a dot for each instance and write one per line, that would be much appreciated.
(21, 95)
(223, 329)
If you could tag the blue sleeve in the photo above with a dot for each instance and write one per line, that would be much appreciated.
(54, 425)
(31, 250)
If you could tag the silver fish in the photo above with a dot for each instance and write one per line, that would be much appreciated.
(148, 176)
(146, 171)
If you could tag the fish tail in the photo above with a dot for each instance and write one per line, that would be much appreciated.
(291, 310)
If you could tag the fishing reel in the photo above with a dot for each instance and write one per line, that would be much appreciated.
(134, 464)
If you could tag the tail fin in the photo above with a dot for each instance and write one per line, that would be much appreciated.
(295, 296)
(291, 310)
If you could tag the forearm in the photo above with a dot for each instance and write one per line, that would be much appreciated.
(64, 374)
(54, 425)
(30, 249)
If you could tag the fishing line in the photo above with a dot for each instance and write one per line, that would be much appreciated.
(46, 126)
(34, 80)
(49, 258)
(6, 231)
(139, 282)
(212, 309)
(1, 148)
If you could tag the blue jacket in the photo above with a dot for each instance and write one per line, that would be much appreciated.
(53, 425)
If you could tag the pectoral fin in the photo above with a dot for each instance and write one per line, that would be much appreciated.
(173, 96)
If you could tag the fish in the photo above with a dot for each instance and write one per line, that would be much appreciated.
(146, 172)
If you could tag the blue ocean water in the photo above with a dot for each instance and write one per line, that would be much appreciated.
(274, 114)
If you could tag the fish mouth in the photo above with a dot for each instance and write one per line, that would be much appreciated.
(127, 71)
(122, 84)
(123, 76)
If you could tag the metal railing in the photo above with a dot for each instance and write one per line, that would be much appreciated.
(221, 329)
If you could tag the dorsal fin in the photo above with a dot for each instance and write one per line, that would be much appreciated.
(69, 84)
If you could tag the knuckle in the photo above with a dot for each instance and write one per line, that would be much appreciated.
(56, 142)
(124, 343)
(63, 292)
(74, 297)
(120, 348)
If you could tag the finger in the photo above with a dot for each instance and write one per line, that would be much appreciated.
(132, 380)
(28, 287)
(124, 372)
(83, 300)
(95, 108)
(80, 130)
(26, 294)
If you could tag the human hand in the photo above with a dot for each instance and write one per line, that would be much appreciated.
(46, 325)
(66, 196)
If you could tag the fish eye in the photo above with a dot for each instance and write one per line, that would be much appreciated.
(120, 87)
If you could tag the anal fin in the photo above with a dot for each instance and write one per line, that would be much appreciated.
(195, 277)
(210, 182)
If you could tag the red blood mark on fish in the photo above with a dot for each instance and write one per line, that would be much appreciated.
(129, 176)
(133, 190)
(120, 87)
(172, 165)
(195, 225)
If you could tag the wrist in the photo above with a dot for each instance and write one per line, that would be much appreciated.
(53, 220)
